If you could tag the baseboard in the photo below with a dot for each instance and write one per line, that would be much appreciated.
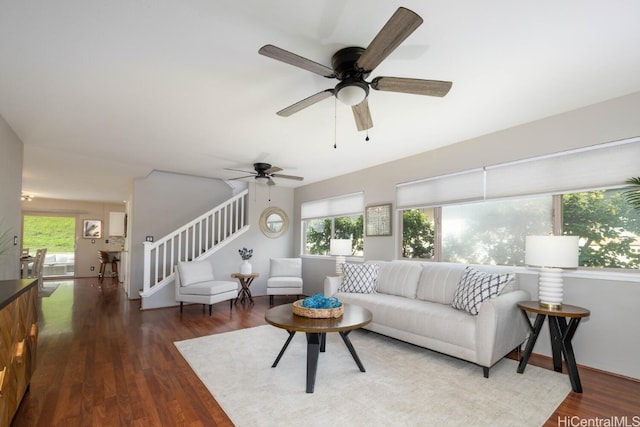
(547, 363)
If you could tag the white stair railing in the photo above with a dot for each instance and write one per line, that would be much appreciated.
(194, 240)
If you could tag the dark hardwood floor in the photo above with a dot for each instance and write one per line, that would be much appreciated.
(103, 362)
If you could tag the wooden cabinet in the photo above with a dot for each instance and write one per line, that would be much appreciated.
(18, 342)
(117, 224)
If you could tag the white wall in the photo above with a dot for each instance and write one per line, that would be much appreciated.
(164, 201)
(11, 149)
(227, 261)
(608, 340)
(86, 254)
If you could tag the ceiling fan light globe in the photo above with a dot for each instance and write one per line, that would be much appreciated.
(262, 180)
(351, 94)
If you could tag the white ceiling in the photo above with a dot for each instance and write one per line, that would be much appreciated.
(102, 92)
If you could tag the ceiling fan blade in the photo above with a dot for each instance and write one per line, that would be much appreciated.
(362, 115)
(286, 112)
(273, 169)
(296, 60)
(400, 26)
(241, 177)
(415, 86)
(238, 170)
(277, 175)
(271, 182)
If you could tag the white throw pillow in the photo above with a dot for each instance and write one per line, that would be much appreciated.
(359, 278)
(476, 286)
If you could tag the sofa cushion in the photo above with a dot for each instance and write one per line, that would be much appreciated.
(438, 282)
(195, 272)
(399, 278)
(359, 278)
(423, 318)
(477, 286)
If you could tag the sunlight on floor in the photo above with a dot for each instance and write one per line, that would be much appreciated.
(56, 308)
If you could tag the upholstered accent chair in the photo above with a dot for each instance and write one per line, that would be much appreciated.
(195, 283)
(285, 277)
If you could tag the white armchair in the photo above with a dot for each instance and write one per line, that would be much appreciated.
(285, 277)
(195, 283)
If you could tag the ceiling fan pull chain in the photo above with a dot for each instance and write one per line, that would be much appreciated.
(367, 138)
(335, 122)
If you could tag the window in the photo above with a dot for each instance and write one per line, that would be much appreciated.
(57, 234)
(418, 233)
(483, 215)
(493, 232)
(608, 227)
(337, 217)
(319, 232)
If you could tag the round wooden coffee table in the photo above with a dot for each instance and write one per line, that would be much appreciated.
(282, 316)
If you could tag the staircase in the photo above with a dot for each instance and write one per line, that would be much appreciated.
(195, 240)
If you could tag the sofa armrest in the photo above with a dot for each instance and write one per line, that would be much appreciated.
(331, 285)
(500, 327)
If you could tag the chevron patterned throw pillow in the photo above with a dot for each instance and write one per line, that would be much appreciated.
(359, 278)
(475, 287)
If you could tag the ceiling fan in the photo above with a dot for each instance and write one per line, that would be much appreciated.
(264, 172)
(352, 65)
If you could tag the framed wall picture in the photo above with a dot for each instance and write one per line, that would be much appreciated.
(378, 220)
(92, 229)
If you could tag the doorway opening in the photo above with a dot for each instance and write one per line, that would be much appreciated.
(58, 235)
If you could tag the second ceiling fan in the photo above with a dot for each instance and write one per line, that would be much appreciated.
(352, 65)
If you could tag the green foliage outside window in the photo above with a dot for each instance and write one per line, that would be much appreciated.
(608, 226)
(493, 232)
(57, 234)
(632, 195)
(318, 236)
(318, 233)
(417, 234)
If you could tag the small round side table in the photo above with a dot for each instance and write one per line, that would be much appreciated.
(560, 333)
(245, 281)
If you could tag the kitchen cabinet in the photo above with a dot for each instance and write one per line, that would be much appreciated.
(18, 342)
(117, 224)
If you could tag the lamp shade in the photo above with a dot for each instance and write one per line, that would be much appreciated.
(552, 251)
(340, 247)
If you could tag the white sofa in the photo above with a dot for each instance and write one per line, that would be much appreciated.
(413, 303)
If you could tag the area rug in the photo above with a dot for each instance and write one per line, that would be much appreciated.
(403, 385)
(48, 288)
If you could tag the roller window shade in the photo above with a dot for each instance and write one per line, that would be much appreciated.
(602, 166)
(597, 167)
(336, 206)
(442, 190)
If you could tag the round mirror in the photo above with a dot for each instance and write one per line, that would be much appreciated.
(274, 222)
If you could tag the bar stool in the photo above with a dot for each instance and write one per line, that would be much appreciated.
(107, 258)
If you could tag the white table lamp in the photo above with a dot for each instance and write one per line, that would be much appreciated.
(340, 248)
(551, 254)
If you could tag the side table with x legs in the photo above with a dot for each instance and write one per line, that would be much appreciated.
(561, 335)
(244, 295)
